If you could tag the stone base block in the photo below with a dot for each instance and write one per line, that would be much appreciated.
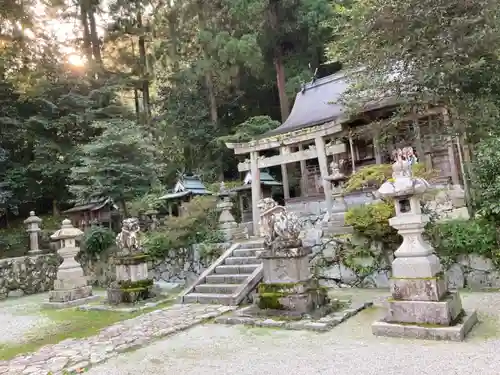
(253, 317)
(418, 289)
(68, 284)
(67, 295)
(299, 297)
(443, 312)
(456, 332)
(416, 267)
(67, 304)
(117, 296)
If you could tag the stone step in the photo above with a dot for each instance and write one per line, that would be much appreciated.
(216, 288)
(236, 269)
(242, 260)
(204, 298)
(226, 279)
(246, 252)
(253, 244)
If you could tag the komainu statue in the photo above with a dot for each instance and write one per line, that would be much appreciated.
(280, 228)
(128, 240)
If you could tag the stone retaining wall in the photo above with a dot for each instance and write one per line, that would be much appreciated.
(35, 274)
(27, 275)
(471, 271)
(181, 266)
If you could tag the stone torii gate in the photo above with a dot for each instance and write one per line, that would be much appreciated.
(319, 128)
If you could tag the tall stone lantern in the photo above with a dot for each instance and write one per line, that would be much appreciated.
(421, 305)
(227, 224)
(70, 288)
(33, 228)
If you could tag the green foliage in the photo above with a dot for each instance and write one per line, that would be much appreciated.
(251, 128)
(487, 178)
(197, 225)
(215, 187)
(373, 176)
(371, 221)
(408, 38)
(453, 238)
(13, 243)
(97, 240)
(147, 202)
(120, 164)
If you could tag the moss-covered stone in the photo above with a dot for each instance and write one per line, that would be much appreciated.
(278, 287)
(270, 301)
(132, 259)
(141, 284)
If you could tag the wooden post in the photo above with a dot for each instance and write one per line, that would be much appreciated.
(353, 156)
(284, 175)
(376, 149)
(256, 194)
(451, 152)
(323, 168)
(242, 206)
(303, 174)
(418, 138)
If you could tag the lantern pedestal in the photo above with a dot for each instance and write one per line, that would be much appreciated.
(70, 288)
(421, 305)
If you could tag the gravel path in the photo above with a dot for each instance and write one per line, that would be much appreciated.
(74, 355)
(350, 348)
(20, 316)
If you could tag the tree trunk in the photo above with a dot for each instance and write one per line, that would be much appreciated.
(55, 209)
(144, 68)
(136, 91)
(123, 206)
(94, 37)
(273, 16)
(209, 83)
(87, 44)
(281, 82)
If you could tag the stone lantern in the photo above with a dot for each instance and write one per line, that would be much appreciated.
(33, 228)
(70, 288)
(421, 305)
(337, 179)
(227, 224)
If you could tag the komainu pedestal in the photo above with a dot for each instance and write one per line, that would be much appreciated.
(132, 280)
(421, 305)
(287, 283)
(287, 286)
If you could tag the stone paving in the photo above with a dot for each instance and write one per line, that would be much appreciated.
(349, 348)
(73, 355)
(323, 324)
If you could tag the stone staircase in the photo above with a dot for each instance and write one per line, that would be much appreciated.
(230, 279)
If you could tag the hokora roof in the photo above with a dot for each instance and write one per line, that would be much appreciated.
(315, 104)
(265, 179)
(187, 185)
(92, 205)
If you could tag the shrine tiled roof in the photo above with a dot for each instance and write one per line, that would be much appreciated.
(315, 104)
(319, 102)
(91, 205)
